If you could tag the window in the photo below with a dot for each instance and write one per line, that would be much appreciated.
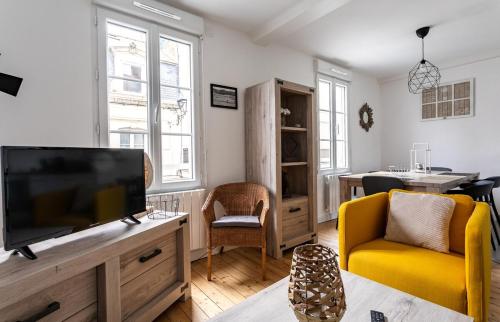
(148, 96)
(448, 100)
(333, 129)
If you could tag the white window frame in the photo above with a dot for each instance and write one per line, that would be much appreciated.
(154, 32)
(333, 122)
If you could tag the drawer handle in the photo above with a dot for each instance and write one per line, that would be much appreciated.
(294, 209)
(145, 258)
(51, 308)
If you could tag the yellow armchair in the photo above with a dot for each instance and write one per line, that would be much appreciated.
(459, 280)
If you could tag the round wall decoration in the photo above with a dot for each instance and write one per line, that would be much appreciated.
(366, 117)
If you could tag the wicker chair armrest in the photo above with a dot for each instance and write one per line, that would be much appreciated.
(208, 209)
(263, 216)
(265, 209)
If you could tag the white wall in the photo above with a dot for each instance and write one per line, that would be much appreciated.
(49, 43)
(365, 146)
(232, 59)
(465, 144)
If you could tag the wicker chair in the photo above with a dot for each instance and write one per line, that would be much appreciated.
(245, 221)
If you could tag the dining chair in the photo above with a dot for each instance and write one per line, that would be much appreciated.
(480, 190)
(376, 184)
(355, 194)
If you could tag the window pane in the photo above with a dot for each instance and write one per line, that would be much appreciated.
(324, 95)
(177, 158)
(128, 141)
(324, 125)
(341, 155)
(175, 63)
(126, 55)
(175, 110)
(340, 98)
(124, 140)
(340, 120)
(139, 141)
(325, 154)
(127, 111)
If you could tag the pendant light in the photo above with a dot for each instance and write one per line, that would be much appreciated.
(424, 75)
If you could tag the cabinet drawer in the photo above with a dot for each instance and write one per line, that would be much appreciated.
(295, 220)
(66, 299)
(148, 285)
(144, 257)
(295, 227)
(294, 208)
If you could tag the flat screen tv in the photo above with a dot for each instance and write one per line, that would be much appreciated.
(51, 192)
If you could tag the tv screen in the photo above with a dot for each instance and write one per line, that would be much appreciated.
(51, 192)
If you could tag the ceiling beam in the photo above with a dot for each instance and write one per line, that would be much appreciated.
(302, 14)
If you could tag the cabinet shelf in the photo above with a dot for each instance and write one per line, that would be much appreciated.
(295, 198)
(292, 164)
(293, 129)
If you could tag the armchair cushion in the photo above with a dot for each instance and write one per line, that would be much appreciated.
(433, 276)
(420, 220)
(237, 221)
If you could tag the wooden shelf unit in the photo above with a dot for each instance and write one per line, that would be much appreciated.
(273, 150)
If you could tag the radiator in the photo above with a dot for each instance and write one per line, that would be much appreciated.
(330, 193)
(191, 202)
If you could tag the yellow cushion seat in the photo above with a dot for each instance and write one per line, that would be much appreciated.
(433, 276)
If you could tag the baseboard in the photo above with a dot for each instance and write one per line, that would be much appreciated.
(326, 217)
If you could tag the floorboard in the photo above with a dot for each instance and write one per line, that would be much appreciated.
(236, 276)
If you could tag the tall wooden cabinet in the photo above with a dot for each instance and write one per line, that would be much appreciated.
(282, 157)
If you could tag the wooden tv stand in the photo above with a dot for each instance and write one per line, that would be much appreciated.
(114, 272)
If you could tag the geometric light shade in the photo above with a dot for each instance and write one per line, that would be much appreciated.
(422, 76)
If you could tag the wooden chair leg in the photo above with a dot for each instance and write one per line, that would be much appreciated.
(209, 263)
(221, 250)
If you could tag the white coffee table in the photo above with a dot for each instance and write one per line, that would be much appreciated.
(362, 295)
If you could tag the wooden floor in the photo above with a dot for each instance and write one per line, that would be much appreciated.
(236, 276)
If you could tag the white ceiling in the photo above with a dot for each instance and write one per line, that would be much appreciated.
(373, 36)
(243, 15)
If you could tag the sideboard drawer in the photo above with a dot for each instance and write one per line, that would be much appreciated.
(59, 302)
(144, 257)
(148, 285)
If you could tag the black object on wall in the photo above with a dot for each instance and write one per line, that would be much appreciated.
(10, 84)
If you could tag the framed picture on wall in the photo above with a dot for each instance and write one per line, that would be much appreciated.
(448, 100)
(223, 96)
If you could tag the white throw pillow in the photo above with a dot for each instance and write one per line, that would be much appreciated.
(420, 219)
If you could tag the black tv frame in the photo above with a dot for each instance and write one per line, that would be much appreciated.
(24, 248)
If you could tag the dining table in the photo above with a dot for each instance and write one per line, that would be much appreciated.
(435, 181)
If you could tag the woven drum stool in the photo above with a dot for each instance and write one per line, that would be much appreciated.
(315, 290)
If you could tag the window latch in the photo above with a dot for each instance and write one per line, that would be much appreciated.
(157, 113)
